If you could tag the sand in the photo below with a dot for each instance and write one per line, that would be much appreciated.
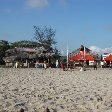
(35, 89)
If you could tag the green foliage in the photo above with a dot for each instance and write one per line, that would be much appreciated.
(43, 36)
(4, 45)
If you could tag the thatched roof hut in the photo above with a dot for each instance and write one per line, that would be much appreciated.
(28, 53)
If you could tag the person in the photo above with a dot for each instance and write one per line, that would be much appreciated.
(45, 65)
(84, 66)
(63, 66)
(74, 64)
(81, 64)
(36, 64)
(95, 65)
(57, 64)
(102, 64)
(16, 64)
(110, 64)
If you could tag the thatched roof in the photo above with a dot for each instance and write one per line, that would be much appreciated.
(28, 53)
(10, 58)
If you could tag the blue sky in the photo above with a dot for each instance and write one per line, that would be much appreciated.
(87, 22)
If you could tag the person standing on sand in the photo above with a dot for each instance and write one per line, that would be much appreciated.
(45, 65)
(110, 64)
(81, 66)
(57, 64)
(102, 64)
(95, 65)
(84, 66)
(16, 64)
(63, 66)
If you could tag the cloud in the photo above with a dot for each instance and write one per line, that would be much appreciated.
(100, 50)
(42, 3)
(37, 3)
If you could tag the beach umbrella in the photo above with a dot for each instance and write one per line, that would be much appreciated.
(108, 58)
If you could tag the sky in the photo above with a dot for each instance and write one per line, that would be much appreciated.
(77, 22)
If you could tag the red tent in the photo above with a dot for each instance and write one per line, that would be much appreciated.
(108, 58)
(80, 57)
(89, 57)
(77, 57)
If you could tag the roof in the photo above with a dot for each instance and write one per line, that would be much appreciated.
(108, 58)
(81, 57)
(28, 53)
(87, 51)
(81, 49)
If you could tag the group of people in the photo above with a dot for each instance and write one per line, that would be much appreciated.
(82, 65)
(64, 66)
(105, 64)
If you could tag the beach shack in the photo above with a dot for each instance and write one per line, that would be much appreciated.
(83, 54)
(27, 57)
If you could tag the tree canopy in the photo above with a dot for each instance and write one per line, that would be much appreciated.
(4, 45)
(45, 36)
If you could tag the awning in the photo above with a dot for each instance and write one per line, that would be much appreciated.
(89, 57)
(77, 57)
(81, 57)
(108, 58)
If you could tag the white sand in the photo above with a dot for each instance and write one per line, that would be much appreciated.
(61, 91)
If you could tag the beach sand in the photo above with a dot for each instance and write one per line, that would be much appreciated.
(35, 89)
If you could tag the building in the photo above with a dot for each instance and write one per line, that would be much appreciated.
(84, 54)
(29, 55)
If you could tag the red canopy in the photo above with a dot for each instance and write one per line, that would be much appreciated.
(89, 57)
(80, 57)
(77, 57)
(108, 58)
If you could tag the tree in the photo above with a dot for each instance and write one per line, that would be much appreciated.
(24, 43)
(4, 45)
(57, 53)
(45, 36)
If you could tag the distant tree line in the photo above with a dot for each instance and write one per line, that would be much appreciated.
(43, 36)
